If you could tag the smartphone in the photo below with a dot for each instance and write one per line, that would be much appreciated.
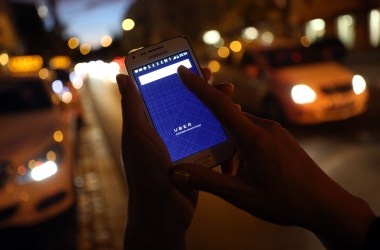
(190, 131)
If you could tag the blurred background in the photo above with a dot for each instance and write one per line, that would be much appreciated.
(311, 65)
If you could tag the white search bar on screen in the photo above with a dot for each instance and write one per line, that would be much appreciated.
(164, 72)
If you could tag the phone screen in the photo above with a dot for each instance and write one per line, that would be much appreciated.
(184, 123)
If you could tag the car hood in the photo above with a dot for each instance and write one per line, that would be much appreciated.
(22, 135)
(314, 74)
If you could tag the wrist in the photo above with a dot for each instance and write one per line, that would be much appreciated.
(372, 239)
(346, 227)
(152, 238)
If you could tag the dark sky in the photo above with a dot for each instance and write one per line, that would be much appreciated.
(89, 20)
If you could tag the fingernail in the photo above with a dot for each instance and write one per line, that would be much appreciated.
(181, 67)
(183, 70)
(180, 177)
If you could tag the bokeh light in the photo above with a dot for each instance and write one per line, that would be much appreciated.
(214, 66)
(85, 49)
(250, 34)
(235, 46)
(58, 136)
(211, 37)
(267, 38)
(76, 80)
(73, 43)
(128, 24)
(305, 41)
(43, 73)
(57, 86)
(106, 41)
(51, 155)
(67, 97)
(4, 59)
(223, 52)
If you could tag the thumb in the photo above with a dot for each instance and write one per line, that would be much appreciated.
(229, 188)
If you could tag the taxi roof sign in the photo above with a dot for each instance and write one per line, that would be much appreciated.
(60, 62)
(25, 64)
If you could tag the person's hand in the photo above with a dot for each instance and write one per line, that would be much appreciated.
(158, 213)
(275, 180)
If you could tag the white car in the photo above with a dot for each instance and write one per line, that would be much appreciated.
(305, 87)
(36, 153)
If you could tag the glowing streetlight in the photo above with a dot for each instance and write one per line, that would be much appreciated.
(211, 37)
(105, 41)
(214, 66)
(223, 52)
(128, 24)
(235, 46)
(73, 43)
(43, 11)
(85, 48)
(250, 34)
(267, 38)
(4, 59)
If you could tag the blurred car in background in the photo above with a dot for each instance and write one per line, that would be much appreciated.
(301, 86)
(37, 143)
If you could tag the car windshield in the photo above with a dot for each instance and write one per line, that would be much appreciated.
(290, 57)
(23, 95)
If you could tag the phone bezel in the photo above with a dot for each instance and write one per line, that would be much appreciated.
(209, 157)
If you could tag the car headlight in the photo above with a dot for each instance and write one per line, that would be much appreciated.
(40, 167)
(302, 94)
(43, 171)
(358, 84)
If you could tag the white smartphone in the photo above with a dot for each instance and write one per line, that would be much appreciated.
(191, 133)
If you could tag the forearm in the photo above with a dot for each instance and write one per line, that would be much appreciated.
(151, 231)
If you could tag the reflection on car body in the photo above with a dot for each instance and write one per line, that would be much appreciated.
(305, 86)
(36, 152)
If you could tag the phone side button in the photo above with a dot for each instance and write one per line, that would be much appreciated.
(203, 160)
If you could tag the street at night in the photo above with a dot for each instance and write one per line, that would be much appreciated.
(315, 70)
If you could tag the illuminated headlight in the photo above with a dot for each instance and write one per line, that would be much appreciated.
(302, 94)
(40, 167)
(358, 84)
(44, 171)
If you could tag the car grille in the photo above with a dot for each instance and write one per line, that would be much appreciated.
(337, 89)
(49, 201)
(7, 212)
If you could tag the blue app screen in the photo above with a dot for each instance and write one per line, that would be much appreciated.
(185, 125)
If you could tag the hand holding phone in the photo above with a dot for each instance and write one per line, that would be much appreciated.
(190, 131)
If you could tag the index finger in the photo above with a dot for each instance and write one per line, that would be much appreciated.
(220, 104)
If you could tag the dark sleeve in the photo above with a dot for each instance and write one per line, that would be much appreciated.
(372, 241)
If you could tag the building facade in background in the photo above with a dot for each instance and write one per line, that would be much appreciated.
(356, 23)
(9, 42)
